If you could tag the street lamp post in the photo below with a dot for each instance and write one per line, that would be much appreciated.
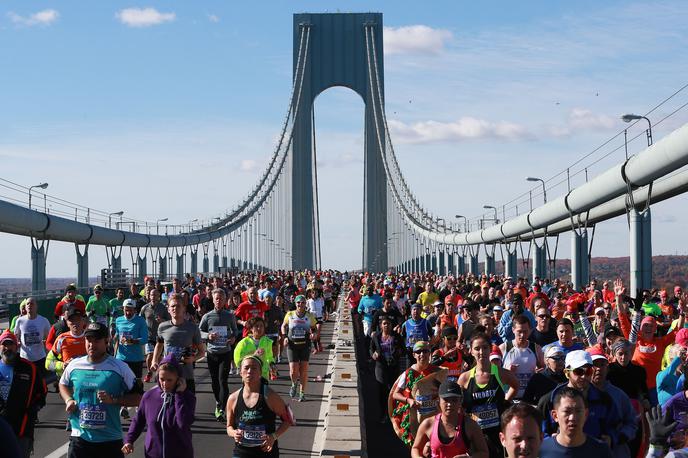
(42, 186)
(191, 224)
(490, 207)
(634, 117)
(465, 222)
(157, 225)
(119, 213)
(542, 182)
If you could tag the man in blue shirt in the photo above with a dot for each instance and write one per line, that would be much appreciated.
(131, 334)
(369, 303)
(94, 387)
(517, 308)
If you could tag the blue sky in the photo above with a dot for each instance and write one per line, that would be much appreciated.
(171, 109)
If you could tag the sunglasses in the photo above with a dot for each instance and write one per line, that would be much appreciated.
(581, 371)
(556, 358)
(418, 352)
(543, 316)
(452, 338)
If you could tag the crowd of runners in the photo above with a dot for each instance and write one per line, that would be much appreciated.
(105, 352)
(480, 366)
(487, 366)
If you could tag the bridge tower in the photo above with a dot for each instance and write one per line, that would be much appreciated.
(337, 56)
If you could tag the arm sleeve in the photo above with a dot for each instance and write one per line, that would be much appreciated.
(203, 327)
(504, 325)
(666, 379)
(635, 327)
(138, 422)
(587, 329)
(185, 406)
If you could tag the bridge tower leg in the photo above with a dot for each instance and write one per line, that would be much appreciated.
(194, 260)
(39, 253)
(460, 264)
(451, 267)
(81, 266)
(490, 265)
(540, 261)
(442, 261)
(143, 266)
(641, 250)
(180, 265)
(337, 56)
(162, 267)
(473, 266)
(580, 274)
(511, 264)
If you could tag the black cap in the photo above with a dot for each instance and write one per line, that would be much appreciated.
(612, 331)
(97, 330)
(450, 389)
(73, 311)
(448, 331)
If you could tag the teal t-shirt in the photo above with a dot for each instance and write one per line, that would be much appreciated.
(131, 329)
(94, 421)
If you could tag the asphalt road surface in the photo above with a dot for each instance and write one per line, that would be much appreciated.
(210, 437)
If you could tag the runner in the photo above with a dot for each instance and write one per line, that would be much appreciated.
(98, 308)
(386, 349)
(252, 412)
(94, 387)
(449, 355)
(167, 413)
(450, 433)
(131, 334)
(258, 344)
(415, 329)
(154, 313)
(487, 389)
(250, 308)
(521, 356)
(71, 299)
(22, 392)
(181, 338)
(68, 345)
(32, 331)
(218, 328)
(520, 433)
(298, 327)
(316, 305)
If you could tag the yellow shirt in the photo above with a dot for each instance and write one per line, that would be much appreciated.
(426, 299)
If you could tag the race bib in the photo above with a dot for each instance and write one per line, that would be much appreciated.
(32, 337)
(298, 333)
(427, 405)
(221, 337)
(647, 348)
(254, 435)
(487, 415)
(102, 320)
(523, 380)
(176, 351)
(92, 416)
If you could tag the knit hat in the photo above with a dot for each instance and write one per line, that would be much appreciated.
(682, 337)
(8, 335)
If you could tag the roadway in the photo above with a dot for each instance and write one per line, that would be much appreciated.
(209, 436)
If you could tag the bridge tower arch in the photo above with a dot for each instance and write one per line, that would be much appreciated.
(337, 56)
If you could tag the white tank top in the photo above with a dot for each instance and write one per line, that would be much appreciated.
(522, 362)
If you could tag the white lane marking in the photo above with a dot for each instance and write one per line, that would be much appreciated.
(62, 451)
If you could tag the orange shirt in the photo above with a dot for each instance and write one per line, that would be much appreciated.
(68, 347)
(649, 355)
(454, 367)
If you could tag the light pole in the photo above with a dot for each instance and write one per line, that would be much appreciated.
(465, 222)
(42, 186)
(542, 182)
(191, 224)
(119, 213)
(634, 117)
(157, 225)
(490, 207)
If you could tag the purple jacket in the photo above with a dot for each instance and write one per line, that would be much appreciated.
(171, 437)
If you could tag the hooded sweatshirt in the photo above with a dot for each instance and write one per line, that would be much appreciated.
(167, 418)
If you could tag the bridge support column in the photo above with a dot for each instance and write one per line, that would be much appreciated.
(433, 261)
(473, 266)
(116, 262)
(451, 268)
(490, 265)
(206, 263)
(194, 261)
(417, 264)
(460, 264)
(143, 266)
(162, 267)
(428, 262)
(216, 262)
(81, 266)
(579, 259)
(224, 262)
(641, 250)
(180, 266)
(39, 254)
(442, 262)
(540, 261)
(511, 264)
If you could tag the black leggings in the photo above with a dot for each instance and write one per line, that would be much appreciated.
(80, 448)
(218, 365)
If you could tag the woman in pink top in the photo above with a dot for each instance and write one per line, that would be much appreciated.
(450, 433)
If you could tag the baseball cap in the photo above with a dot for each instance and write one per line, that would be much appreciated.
(448, 331)
(98, 287)
(598, 310)
(300, 298)
(70, 287)
(8, 335)
(97, 330)
(578, 358)
(498, 308)
(648, 320)
(421, 345)
(682, 337)
(554, 351)
(416, 305)
(437, 303)
(129, 303)
(73, 311)
(450, 389)
(596, 353)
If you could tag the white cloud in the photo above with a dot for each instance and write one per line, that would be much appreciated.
(248, 165)
(582, 118)
(44, 17)
(465, 128)
(213, 18)
(415, 39)
(143, 17)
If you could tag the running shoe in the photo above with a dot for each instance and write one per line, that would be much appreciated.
(302, 396)
(124, 412)
(220, 415)
(292, 391)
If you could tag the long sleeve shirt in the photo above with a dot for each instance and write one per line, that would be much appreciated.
(668, 382)
(628, 426)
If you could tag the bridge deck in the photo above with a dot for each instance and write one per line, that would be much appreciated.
(209, 437)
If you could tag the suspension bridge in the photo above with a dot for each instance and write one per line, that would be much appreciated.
(276, 226)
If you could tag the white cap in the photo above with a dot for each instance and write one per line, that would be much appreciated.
(578, 358)
(129, 303)
(598, 310)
